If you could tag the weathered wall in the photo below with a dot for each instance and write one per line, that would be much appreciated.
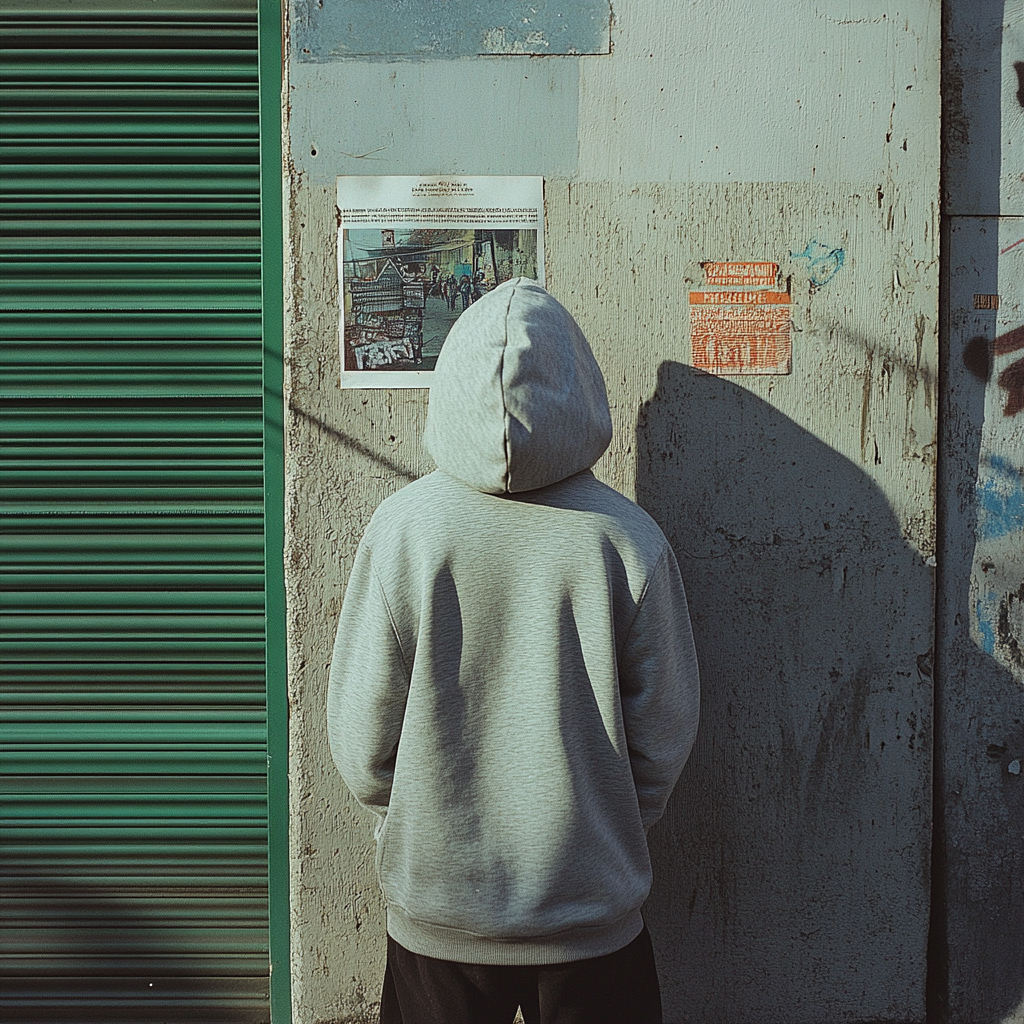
(979, 904)
(791, 872)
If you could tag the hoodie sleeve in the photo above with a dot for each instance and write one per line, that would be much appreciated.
(660, 688)
(368, 688)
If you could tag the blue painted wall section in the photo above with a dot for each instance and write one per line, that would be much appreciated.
(333, 29)
(1001, 501)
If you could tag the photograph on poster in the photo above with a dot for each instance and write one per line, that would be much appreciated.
(414, 254)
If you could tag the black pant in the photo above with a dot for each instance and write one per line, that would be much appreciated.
(620, 988)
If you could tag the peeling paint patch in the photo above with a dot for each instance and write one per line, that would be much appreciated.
(502, 40)
(330, 30)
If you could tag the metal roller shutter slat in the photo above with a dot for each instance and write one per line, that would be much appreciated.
(133, 873)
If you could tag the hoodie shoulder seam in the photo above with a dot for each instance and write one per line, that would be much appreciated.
(391, 617)
(644, 592)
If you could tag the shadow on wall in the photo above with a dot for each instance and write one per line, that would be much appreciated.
(791, 870)
(978, 930)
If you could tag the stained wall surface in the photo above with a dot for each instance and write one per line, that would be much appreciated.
(979, 864)
(792, 868)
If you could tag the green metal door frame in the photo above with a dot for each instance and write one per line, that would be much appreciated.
(272, 281)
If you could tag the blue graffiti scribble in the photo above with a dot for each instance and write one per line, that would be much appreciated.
(986, 628)
(823, 263)
(1000, 502)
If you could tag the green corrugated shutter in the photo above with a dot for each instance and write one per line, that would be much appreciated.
(134, 736)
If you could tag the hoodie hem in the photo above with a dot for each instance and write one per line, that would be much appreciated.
(579, 943)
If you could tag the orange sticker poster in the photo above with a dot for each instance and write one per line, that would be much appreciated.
(740, 275)
(743, 328)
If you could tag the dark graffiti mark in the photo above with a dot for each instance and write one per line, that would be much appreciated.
(978, 357)
(1012, 378)
(1011, 341)
(1019, 68)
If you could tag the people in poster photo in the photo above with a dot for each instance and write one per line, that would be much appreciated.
(404, 288)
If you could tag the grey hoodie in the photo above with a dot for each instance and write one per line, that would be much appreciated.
(514, 688)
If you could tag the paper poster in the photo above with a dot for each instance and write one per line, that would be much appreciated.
(740, 323)
(414, 253)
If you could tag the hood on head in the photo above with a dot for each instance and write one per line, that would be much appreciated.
(517, 400)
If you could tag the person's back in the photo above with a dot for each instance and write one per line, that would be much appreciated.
(514, 689)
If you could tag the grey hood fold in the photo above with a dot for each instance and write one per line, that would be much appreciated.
(517, 399)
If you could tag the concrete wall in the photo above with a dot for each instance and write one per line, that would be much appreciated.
(792, 869)
(979, 904)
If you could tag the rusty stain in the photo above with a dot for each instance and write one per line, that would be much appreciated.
(865, 404)
(1012, 380)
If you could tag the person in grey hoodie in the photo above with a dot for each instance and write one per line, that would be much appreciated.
(514, 690)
